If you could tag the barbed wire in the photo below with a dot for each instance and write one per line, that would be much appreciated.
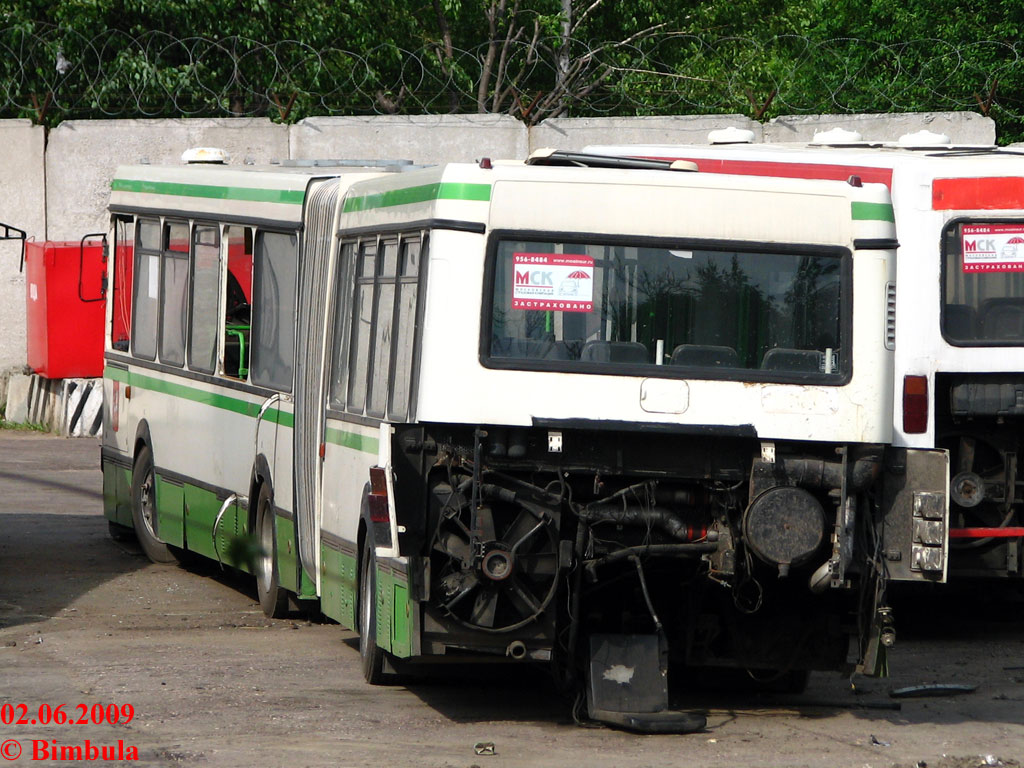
(51, 74)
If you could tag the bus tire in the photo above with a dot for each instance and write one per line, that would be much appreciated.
(273, 599)
(144, 509)
(371, 655)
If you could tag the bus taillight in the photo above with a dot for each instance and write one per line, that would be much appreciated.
(915, 404)
(380, 516)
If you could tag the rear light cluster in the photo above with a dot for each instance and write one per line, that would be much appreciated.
(915, 404)
(380, 516)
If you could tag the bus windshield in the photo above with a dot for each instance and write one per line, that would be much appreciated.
(983, 283)
(701, 312)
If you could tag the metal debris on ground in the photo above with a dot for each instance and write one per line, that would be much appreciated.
(936, 689)
(484, 748)
(875, 741)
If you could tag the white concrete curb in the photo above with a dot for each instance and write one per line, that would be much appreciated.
(70, 407)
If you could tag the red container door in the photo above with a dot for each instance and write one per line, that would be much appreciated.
(65, 308)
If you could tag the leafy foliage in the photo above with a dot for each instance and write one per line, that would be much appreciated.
(530, 58)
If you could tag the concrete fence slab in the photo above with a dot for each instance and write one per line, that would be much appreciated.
(961, 127)
(424, 139)
(575, 133)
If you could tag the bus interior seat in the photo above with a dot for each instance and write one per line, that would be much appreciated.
(797, 360)
(1002, 319)
(705, 355)
(961, 321)
(614, 352)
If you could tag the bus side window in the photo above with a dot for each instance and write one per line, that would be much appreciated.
(273, 330)
(174, 284)
(405, 330)
(383, 325)
(238, 302)
(342, 309)
(121, 294)
(362, 322)
(375, 329)
(145, 288)
(205, 305)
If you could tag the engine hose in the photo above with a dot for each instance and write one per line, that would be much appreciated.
(657, 517)
(815, 473)
(666, 550)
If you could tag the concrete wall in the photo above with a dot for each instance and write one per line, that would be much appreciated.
(961, 127)
(424, 139)
(22, 205)
(578, 132)
(82, 155)
(56, 188)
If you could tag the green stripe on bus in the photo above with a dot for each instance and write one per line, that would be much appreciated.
(352, 440)
(409, 195)
(196, 395)
(872, 212)
(244, 194)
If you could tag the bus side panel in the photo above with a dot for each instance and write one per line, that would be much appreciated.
(287, 561)
(338, 585)
(202, 508)
(117, 493)
(234, 526)
(394, 612)
(401, 624)
(170, 498)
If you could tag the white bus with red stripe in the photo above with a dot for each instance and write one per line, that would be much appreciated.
(959, 317)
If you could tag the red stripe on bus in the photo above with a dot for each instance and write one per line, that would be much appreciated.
(985, 194)
(789, 170)
(985, 533)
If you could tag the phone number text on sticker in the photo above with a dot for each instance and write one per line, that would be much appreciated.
(552, 281)
(993, 247)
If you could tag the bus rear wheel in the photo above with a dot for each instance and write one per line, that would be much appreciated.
(273, 599)
(144, 509)
(371, 655)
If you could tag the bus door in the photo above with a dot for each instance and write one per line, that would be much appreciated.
(271, 364)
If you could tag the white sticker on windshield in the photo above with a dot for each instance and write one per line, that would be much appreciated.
(552, 281)
(993, 247)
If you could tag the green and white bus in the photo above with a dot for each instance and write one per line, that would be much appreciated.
(606, 415)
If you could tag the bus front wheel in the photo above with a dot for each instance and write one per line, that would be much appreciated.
(273, 599)
(144, 509)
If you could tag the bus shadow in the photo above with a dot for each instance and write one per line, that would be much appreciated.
(491, 692)
(971, 646)
(48, 561)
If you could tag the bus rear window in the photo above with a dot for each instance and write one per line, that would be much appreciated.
(753, 315)
(983, 283)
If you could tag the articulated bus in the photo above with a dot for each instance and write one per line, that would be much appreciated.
(959, 382)
(610, 416)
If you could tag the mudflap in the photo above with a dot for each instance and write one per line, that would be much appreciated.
(627, 686)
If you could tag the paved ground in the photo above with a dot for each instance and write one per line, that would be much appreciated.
(84, 620)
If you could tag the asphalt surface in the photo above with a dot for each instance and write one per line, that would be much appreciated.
(208, 681)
